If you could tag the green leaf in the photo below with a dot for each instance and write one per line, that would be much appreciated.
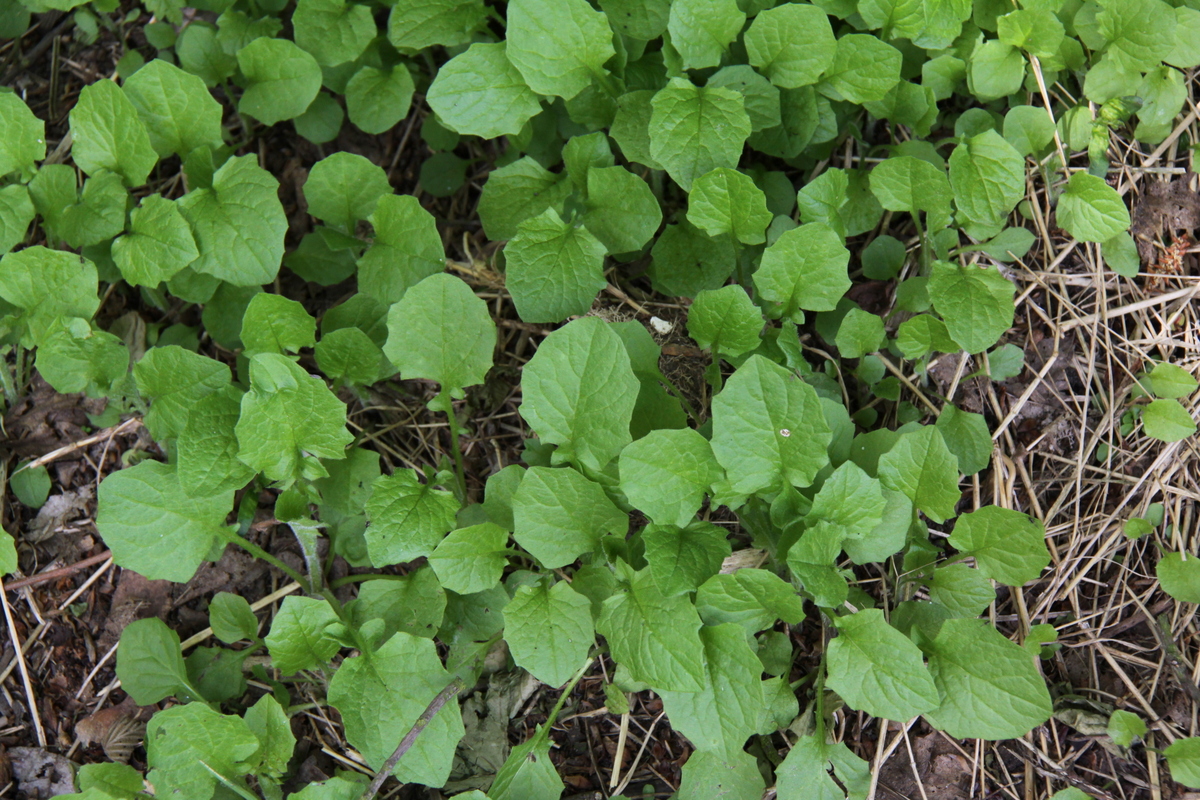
(289, 420)
(727, 201)
(377, 99)
(349, 355)
(995, 70)
(682, 558)
(579, 392)
(753, 598)
(962, 589)
(74, 358)
(638, 19)
(666, 473)
(471, 559)
(975, 302)
(989, 686)
(408, 518)
(553, 268)
(729, 708)
(701, 30)
(268, 722)
(517, 192)
(1167, 421)
(333, 31)
(655, 637)
(418, 24)
(851, 500)
(179, 113)
(274, 324)
(761, 99)
(47, 284)
(100, 213)
(859, 333)
(768, 429)
(238, 223)
(714, 776)
(1008, 546)
(380, 695)
(113, 779)
(622, 211)
(231, 618)
(1036, 30)
(559, 46)
(967, 437)
(201, 54)
(814, 770)
(109, 135)
(528, 773)
(864, 69)
(804, 269)
(686, 261)
(921, 467)
(1183, 757)
(549, 631)
(158, 245)
(1091, 210)
(407, 249)
(175, 380)
(725, 321)
(150, 662)
(31, 486)
(1180, 578)
(877, 669)
(792, 44)
(440, 331)
(988, 176)
(1168, 380)
(694, 130)
(923, 334)
(1029, 129)
(560, 515)
(8, 554)
(1124, 727)
(1139, 29)
(153, 527)
(183, 743)
(821, 199)
(282, 80)
(344, 188)
(413, 604)
(300, 637)
(16, 212)
(22, 136)
(905, 183)
(480, 92)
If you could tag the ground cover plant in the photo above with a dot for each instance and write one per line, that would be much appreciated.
(833, 200)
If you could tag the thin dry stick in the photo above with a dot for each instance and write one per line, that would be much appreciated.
(615, 778)
(19, 655)
(435, 705)
(49, 575)
(107, 433)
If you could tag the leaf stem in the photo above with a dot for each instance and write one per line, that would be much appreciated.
(410, 738)
(256, 551)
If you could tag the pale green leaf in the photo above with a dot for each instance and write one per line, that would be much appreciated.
(1091, 210)
(109, 135)
(158, 245)
(792, 44)
(804, 269)
(768, 428)
(407, 518)
(300, 635)
(727, 201)
(231, 618)
(1168, 380)
(333, 31)
(559, 46)
(22, 135)
(975, 302)
(480, 92)
(274, 324)
(701, 30)
(289, 420)
(549, 631)
(150, 662)
(622, 211)
(579, 393)
(440, 331)
(176, 107)
(1180, 578)
(471, 559)
(1167, 420)
(753, 598)
(666, 473)
(967, 437)
(407, 249)
(553, 268)
(989, 686)
(682, 558)
(1008, 546)
(175, 379)
(282, 80)
(877, 669)
(380, 695)
(186, 744)
(1183, 757)
(238, 224)
(377, 99)
(725, 321)
(655, 637)
(560, 515)
(988, 176)
(344, 188)
(517, 192)
(153, 526)
(694, 130)
(962, 589)
(814, 770)
(16, 212)
(921, 467)
(417, 24)
(864, 68)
